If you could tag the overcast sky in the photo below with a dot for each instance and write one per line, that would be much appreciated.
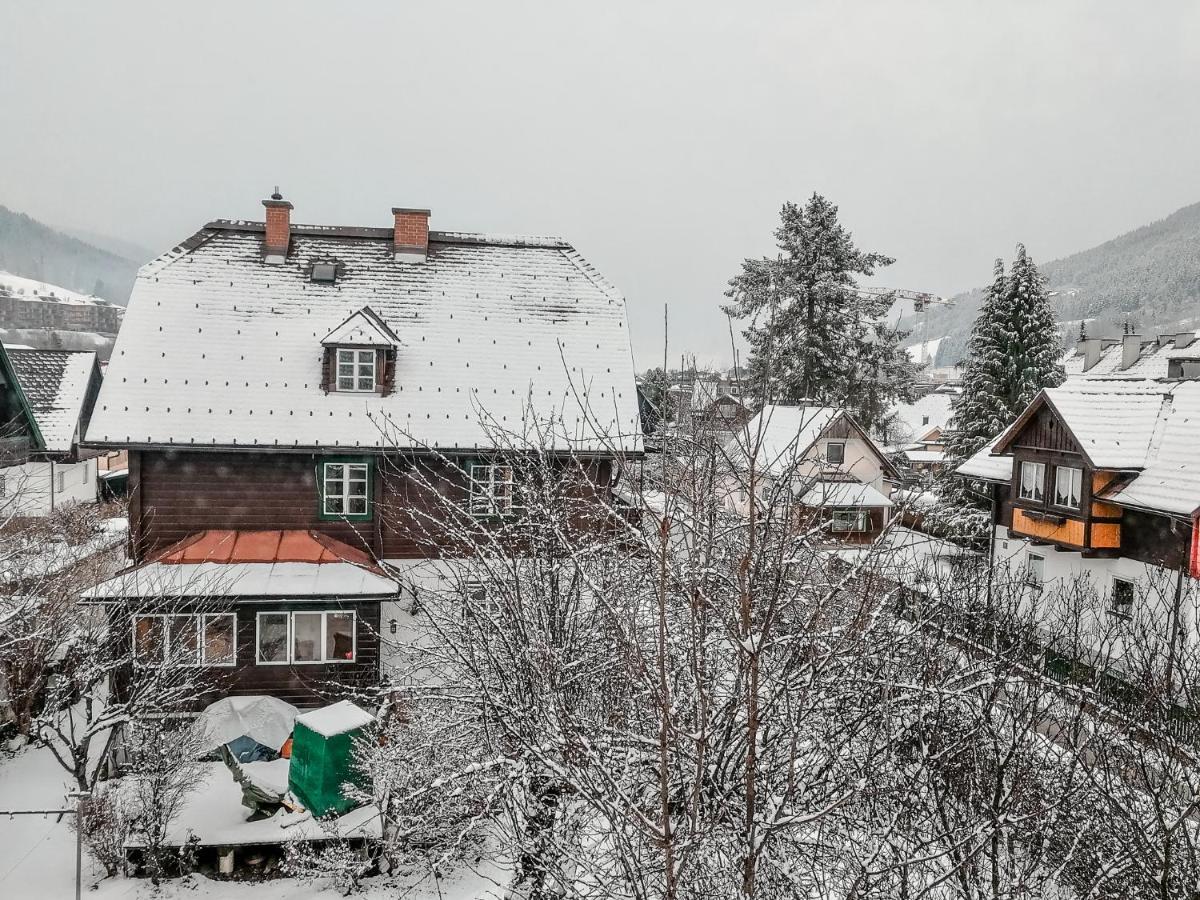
(660, 139)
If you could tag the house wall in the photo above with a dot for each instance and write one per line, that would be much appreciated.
(37, 488)
(303, 685)
(179, 493)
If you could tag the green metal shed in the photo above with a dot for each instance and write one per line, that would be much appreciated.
(323, 757)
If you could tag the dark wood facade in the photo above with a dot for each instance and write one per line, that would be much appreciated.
(179, 493)
(301, 684)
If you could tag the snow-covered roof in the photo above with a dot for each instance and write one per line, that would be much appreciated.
(925, 456)
(290, 580)
(986, 467)
(219, 348)
(55, 382)
(842, 494)
(785, 433)
(337, 718)
(1152, 361)
(924, 352)
(1111, 420)
(915, 420)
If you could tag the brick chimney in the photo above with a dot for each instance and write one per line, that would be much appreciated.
(1131, 349)
(279, 229)
(410, 240)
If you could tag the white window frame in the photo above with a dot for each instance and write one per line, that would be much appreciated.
(1033, 577)
(1075, 482)
(862, 521)
(1113, 609)
(291, 637)
(346, 496)
(287, 639)
(1039, 491)
(483, 499)
(362, 368)
(201, 622)
(831, 444)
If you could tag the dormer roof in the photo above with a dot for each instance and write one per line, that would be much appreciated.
(362, 329)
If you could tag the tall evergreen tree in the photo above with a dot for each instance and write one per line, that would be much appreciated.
(1015, 350)
(812, 335)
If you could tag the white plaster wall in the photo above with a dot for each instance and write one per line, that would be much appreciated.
(28, 490)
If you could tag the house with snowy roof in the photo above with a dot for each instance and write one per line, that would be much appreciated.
(299, 401)
(47, 398)
(1134, 356)
(1099, 479)
(833, 470)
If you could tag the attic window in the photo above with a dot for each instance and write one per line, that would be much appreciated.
(324, 272)
(355, 369)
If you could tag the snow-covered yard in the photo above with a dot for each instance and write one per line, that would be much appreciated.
(37, 855)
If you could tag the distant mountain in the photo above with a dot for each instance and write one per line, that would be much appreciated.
(29, 248)
(1149, 278)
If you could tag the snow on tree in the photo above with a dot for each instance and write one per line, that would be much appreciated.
(812, 335)
(1014, 352)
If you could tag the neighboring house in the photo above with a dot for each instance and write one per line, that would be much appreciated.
(1100, 479)
(48, 397)
(279, 388)
(916, 432)
(1133, 356)
(711, 402)
(835, 472)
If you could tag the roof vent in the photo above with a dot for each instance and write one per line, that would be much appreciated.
(278, 233)
(410, 240)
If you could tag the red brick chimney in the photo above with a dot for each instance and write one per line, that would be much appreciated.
(410, 240)
(279, 229)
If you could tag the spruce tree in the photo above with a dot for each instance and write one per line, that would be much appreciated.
(1014, 351)
(813, 338)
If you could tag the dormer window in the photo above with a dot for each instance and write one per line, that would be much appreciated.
(360, 355)
(356, 369)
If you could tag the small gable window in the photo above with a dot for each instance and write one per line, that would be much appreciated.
(345, 490)
(355, 369)
(835, 452)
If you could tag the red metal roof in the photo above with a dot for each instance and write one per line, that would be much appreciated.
(221, 546)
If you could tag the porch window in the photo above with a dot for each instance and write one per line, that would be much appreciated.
(306, 637)
(1068, 486)
(346, 490)
(1033, 480)
(185, 639)
(850, 520)
(355, 369)
(1121, 598)
(493, 489)
(835, 452)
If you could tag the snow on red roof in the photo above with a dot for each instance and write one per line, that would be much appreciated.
(221, 546)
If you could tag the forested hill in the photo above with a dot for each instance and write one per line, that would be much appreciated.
(1149, 277)
(34, 250)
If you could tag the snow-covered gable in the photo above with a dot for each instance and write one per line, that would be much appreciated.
(55, 384)
(363, 329)
(219, 349)
(784, 434)
(913, 421)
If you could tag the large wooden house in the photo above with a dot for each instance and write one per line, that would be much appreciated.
(1100, 480)
(297, 403)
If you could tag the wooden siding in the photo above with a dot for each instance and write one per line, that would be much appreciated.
(302, 685)
(1158, 540)
(1045, 431)
(1070, 532)
(179, 493)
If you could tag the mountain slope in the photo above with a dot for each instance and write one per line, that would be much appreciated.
(1149, 277)
(29, 248)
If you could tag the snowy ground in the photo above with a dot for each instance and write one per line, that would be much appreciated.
(37, 856)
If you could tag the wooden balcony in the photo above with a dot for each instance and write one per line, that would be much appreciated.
(1068, 531)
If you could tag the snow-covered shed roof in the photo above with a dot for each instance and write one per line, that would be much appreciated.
(219, 348)
(337, 718)
(843, 494)
(55, 384)
(985, 466)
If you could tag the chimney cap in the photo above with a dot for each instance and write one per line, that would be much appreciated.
(398, 210)
(276, 201)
